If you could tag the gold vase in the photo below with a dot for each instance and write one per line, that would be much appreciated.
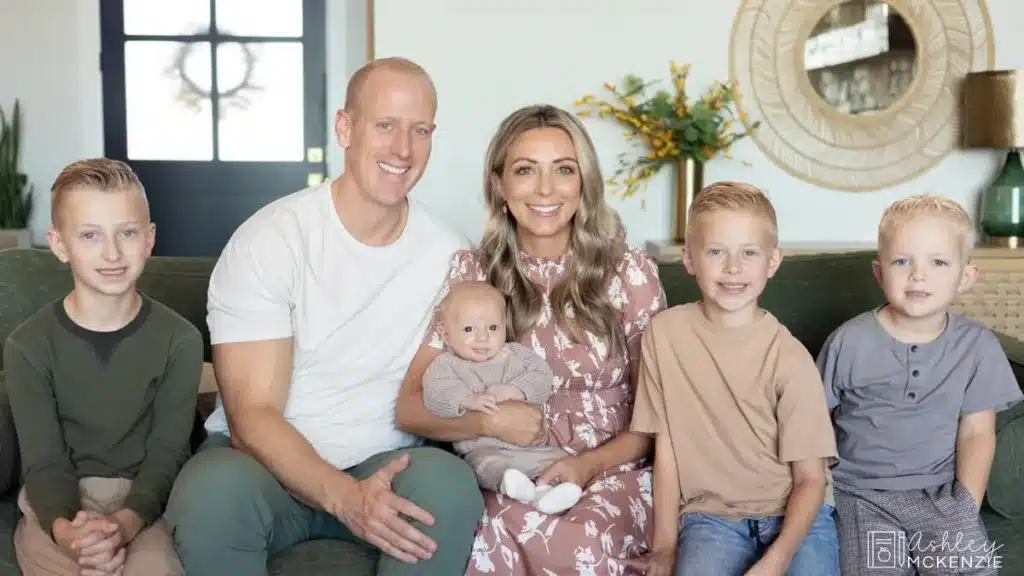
(689, 181)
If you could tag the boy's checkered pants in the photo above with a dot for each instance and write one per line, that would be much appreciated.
(895, 532)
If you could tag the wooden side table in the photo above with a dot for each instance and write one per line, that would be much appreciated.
(996, 300)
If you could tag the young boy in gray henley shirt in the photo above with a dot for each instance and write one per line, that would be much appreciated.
(914, 390)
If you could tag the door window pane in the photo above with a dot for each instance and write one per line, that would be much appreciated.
(180, 17)
(259, 17)
(260, 87)
(167, 102)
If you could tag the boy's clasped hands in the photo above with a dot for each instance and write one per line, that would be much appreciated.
(96, 541)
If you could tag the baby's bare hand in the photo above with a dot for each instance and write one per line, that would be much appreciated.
(503, 392)
(482, 402)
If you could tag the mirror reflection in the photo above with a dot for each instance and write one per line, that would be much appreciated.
(861, 56)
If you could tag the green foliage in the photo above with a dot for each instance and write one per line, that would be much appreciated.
(669, 125)
(15, 193)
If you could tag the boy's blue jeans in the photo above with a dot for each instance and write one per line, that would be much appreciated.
(712, 545)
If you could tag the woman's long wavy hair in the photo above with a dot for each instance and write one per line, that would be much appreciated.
(579, 302)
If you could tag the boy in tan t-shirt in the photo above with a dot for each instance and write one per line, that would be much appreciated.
(735, 402)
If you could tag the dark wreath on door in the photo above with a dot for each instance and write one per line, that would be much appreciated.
(219, 105)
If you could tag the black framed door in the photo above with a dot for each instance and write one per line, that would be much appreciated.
(219, 105)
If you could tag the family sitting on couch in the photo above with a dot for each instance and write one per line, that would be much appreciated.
(592, 429)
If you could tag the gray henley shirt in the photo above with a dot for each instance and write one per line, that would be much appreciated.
(896, 407)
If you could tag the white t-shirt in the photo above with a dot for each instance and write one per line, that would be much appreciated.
(357, 314)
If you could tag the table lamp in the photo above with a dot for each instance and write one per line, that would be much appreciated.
(993, 117)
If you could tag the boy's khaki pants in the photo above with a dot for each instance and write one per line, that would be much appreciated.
(151, 553)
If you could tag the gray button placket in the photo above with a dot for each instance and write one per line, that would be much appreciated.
(914, 364)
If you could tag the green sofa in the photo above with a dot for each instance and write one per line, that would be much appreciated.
(812, 295)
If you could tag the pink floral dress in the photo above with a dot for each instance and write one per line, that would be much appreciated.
(591, 404)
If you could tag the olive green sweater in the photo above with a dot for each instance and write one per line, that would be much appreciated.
(102, 404)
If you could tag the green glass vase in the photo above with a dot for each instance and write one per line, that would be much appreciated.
(1002, 204)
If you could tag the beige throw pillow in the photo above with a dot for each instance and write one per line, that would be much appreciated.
(208, 381)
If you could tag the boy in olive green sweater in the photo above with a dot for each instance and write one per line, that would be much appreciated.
(103, 386)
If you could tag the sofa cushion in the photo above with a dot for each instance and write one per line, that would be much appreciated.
(1005, 495)
(1005, 536)
(31, 278)
(208, 379)
(9, 460)
(9, 516)
(811, 295)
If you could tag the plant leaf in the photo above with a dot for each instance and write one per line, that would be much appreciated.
(15, 194)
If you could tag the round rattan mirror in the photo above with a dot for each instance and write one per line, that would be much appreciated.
(856, 94)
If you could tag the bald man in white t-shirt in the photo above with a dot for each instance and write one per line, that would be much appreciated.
(317, 305)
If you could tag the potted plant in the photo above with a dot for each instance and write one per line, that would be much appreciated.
(15, 193)
(672, 130)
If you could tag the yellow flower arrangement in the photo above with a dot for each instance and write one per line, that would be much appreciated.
(669, 127)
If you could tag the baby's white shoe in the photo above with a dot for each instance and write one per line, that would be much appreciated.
(557, 499)
(517, 486)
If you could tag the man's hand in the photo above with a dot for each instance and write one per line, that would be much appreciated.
(505, 392)
(517, 423)
(93, 541)
(374, 513)
(483, 402)
(572, 469)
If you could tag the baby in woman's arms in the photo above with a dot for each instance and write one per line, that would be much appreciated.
(479, 370)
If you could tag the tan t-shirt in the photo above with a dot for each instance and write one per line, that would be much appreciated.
(739, 404)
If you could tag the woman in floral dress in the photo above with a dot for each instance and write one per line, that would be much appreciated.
(581, 299)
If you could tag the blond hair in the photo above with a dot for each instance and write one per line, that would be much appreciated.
(579, 301)
(735, 197)
(102, 174)
(923, 206)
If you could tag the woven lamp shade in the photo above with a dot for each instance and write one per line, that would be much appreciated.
(993, 109)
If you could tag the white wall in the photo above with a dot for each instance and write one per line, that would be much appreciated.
(488, 58)
(346, 53)
(49, 59)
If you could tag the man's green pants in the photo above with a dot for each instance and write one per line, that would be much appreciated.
(228, 514)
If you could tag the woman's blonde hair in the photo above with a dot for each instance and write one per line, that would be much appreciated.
(579, 302)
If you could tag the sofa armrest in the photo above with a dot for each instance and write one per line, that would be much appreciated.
(1003, 495)
(10, 456)
(1014, 350)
